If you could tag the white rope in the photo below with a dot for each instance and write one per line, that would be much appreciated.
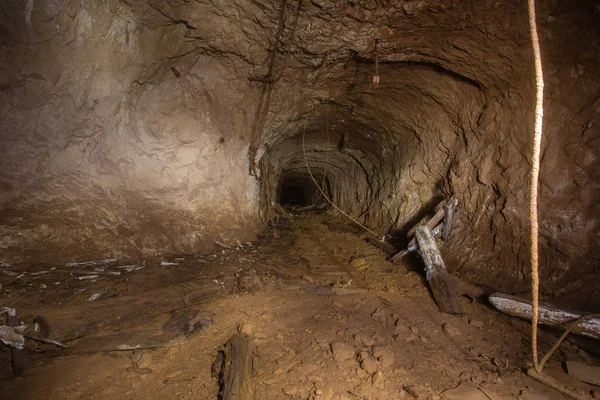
(533, 188)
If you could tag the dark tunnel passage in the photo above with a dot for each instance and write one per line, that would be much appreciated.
(354, 167)
(299, 189)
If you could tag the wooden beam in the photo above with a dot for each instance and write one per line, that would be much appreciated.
(448, 218)
(236, 375)
(432, 224)
(439, 280)
(413, 246)
(548, 314)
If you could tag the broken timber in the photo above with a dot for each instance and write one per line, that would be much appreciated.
(236, 375)
(446, 213)
(439, 280)
(548, 314)
(412, 245)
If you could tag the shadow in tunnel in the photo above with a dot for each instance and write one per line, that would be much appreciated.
(298, 189)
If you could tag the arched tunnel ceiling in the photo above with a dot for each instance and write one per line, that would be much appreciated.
(129, 128)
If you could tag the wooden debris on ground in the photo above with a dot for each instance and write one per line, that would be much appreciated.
(99, 271)
(444, 212)
(75, 321)
(548, 314)
(234, 366)
(16, 351)
(439, 280)
(180, 323)
(92, 263)
(46, 341)
(11, 337)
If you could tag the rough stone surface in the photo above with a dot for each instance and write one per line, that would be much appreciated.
(342, 352)
(135, 128)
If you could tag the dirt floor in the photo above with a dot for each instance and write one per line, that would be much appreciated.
(332, 319)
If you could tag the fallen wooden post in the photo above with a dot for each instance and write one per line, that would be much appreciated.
(413, 246)
(439, 280)
(432, 224)
(548, 314)
(17, 360)
(236, 369)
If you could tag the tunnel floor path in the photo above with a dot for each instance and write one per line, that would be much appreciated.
(311, 285)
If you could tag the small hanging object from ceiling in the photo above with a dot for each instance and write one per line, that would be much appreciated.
(376, 77)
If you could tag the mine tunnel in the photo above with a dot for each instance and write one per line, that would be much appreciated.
(298, 199)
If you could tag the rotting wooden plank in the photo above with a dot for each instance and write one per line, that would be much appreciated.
(439, 280)
(73, 322)
(548, 314)
(237, 368)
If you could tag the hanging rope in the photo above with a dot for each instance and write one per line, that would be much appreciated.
(536, 371)
(326, 157)
(535, 174)
(323, 193)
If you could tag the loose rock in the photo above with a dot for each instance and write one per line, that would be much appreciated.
(477, 323)
(451, 330)
(369, 366)
(341, 351)
(379, 380)
(289, 390)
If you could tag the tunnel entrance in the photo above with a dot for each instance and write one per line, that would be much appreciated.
(356, 165)
(298, 189)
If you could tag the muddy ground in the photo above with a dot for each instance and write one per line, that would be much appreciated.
(332, 319)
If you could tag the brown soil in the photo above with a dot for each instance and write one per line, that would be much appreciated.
(316, 284)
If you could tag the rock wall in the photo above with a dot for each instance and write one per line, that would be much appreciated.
(135, 128)
(123, 127)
